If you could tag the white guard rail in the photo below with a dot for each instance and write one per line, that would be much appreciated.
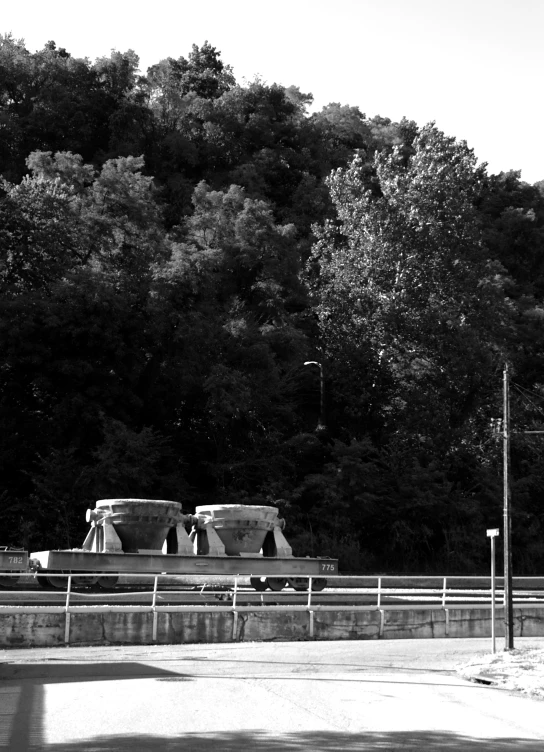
(420, 598)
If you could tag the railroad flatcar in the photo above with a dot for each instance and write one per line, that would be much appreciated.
(154, 537)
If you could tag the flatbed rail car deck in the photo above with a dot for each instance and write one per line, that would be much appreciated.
(80, 561)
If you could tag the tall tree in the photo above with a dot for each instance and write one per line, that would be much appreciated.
(405, 292)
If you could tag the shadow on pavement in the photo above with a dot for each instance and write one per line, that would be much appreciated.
(22, 702)
(21, 718)
(53, 672)
(316, 742)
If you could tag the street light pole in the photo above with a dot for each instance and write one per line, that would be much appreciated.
(321, 420)
(507, 523)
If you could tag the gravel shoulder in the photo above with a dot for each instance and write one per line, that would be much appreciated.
(519, 670)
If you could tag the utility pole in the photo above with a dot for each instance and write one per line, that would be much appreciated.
(507, 513)
(508, 606)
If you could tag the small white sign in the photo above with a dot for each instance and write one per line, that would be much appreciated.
(493, 532)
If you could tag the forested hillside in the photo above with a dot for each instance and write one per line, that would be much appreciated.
(175, 246)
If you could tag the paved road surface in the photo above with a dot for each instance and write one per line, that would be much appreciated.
(260, 697)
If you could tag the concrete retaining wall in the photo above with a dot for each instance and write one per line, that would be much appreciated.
(46, 630)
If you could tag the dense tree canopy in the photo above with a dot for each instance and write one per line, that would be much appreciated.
(175, 245)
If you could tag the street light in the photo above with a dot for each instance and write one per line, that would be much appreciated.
(321, 420)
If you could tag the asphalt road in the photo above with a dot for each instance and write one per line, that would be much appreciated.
(261, 697)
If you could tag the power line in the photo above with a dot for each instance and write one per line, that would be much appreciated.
(522, 389)
(525, 389)
(528, 403)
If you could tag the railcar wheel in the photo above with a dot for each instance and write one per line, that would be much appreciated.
(7, 581)
(55, 580)
(258, 583)
(84, 581)
(300, 584)
(60, 583)
(318, 584)
(276, 583)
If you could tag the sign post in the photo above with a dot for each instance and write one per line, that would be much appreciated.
(493, 533)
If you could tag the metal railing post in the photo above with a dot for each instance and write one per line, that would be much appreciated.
(309, 607)
(379, 592)
(153, 607)
(234, 611)
(234, 595)
(382, 622)
(444, 584)
(67, 609)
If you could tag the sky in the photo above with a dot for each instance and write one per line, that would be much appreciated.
(473, 66)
